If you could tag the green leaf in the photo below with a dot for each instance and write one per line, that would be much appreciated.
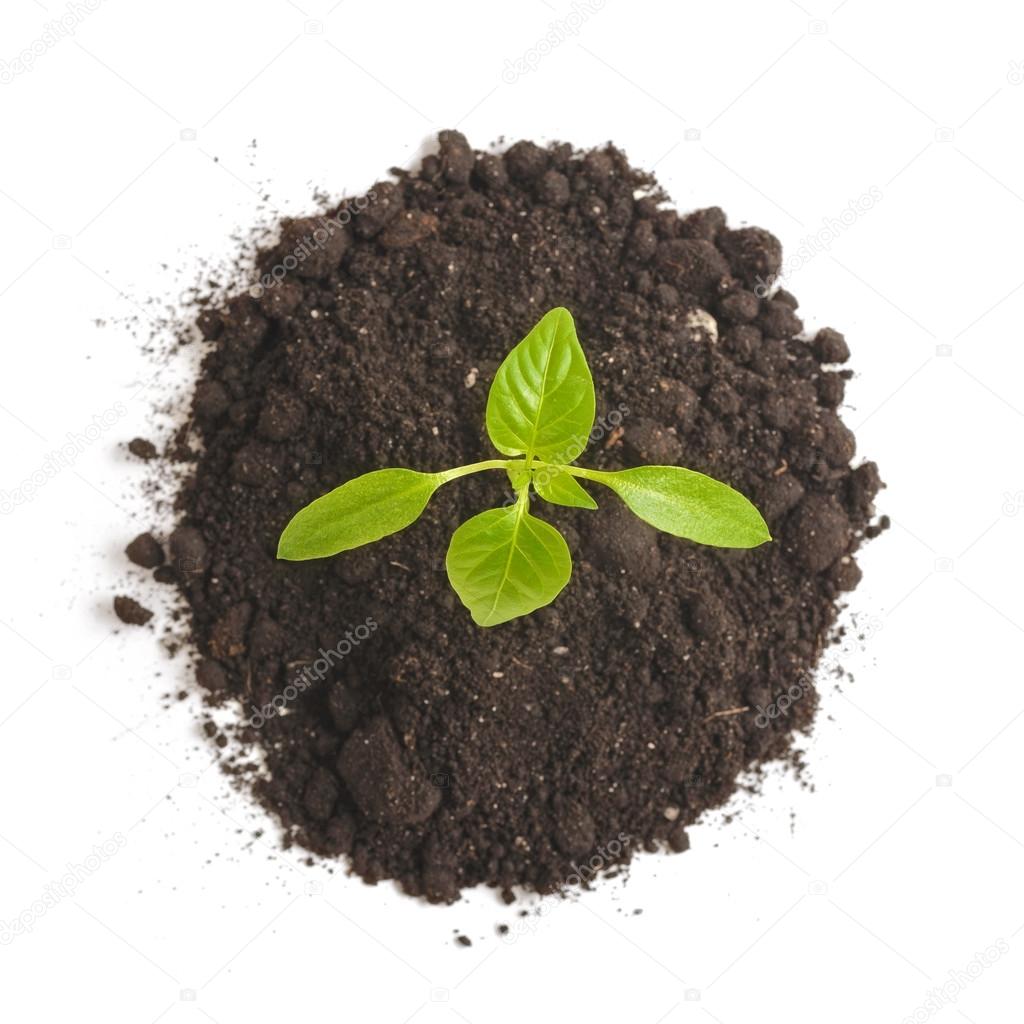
(358, 512)
(688, 504)
(504, 563)
(558, 487)
(541, 402)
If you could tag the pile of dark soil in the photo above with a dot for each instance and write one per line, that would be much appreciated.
(553, 747)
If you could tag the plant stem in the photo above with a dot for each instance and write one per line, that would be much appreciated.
(533, 463)
(596, 475)
(476, 467)
(523, 495)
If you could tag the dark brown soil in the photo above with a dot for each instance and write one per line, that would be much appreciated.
(550, 749)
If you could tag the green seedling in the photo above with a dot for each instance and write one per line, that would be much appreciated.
(505, 562)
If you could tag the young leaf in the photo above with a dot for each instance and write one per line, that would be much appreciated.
(358, 512)
(504, 563)
(558, 487)
(541, 401)
(688, 504)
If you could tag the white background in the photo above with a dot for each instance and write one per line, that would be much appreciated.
(848, 902)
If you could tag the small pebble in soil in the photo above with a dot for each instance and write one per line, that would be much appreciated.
(130, 612)
(142, 449)
(146, 551)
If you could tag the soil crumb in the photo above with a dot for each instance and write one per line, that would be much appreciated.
(142, 449)
(130, 612)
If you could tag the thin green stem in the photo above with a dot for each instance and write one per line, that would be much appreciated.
(596, 475)
(523, 494)
(532, 463)
(476, 467)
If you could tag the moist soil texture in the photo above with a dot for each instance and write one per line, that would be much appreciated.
(378, 723)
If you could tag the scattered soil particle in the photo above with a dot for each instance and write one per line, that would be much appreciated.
(142, 449)
(549, 750)
(130, 612)
(146, 551)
